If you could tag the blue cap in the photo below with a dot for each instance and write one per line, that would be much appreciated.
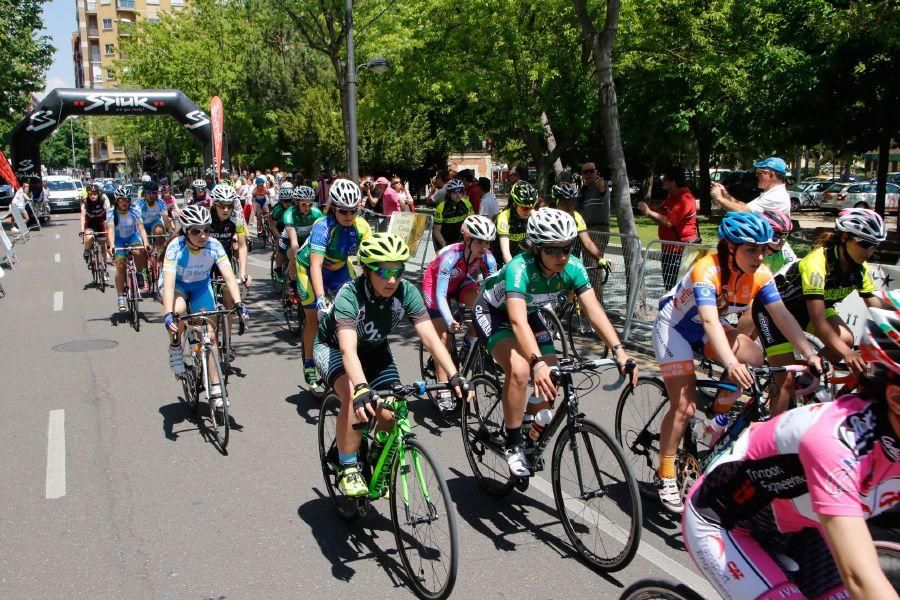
(773, 162)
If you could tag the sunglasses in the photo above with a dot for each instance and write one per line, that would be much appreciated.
(386, 273)
(304, 202)
(557, 250)
(866, 244)
(346, 211)
(224, 204)
(780, 237)
(199, 231)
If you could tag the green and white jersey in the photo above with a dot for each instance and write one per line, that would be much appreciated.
(301, 223)
(357, 308)
(522, 277)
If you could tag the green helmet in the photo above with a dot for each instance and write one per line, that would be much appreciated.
(381, 248)
(523, 194)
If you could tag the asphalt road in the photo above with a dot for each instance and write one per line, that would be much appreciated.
(119, 495)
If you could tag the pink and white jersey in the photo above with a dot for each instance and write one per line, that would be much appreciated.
(838, 459)
(448, 271)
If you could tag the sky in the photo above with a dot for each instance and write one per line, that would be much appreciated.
(59, 24)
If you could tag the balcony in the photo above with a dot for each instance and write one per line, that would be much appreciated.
(126, 5)
(93, 32)
(91, 7)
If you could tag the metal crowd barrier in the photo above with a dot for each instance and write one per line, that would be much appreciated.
(416, 228)
(6, 247)
(377, 221)
(621, 251)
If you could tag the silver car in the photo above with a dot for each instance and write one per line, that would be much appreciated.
(859, 195)
(807, 194)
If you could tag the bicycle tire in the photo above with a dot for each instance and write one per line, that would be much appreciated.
(659, 589)
(276, 285)
(293, 313)
(556, 331)
(577, 325)
(190, 377)
(413, 501)
(482, 428)
(593, 519)
(328, 456)
(426, 369)
(223, 342)
(218, 416)
(639, 414)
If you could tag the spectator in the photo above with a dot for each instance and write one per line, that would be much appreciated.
(450, 215)
(517, 173)
(593, 198)
(676, 219)
(489, 205)
(473, 190)
(381, 184)
(771, 175)
(390, 197)
(438, 192)
(404, 198)
(19, 203)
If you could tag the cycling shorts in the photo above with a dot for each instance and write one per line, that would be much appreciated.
(150, 226)
(772, 339)
(198, 294)
(284, 242)
(133, 241)
(378, 364)
(675, 346)
(493, 325)
(263, 201)
(96, 225)
(331, 280)
(431, 304)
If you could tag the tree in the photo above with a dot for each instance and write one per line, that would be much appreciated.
(56, 151)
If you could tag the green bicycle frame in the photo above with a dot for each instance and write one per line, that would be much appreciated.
(394, 447)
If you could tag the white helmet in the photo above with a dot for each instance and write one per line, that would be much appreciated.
(344, 194)
(224, 194)
(304, 193)
(194, 215)
(479, 227)
(862, 223)
(145, 178)
(550, 226)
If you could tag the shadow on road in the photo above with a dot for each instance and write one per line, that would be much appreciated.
(307, 405)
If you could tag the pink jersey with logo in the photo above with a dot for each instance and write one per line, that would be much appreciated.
(448, 271)
(838, 459)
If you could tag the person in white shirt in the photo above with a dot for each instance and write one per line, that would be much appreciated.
(489, 205)
(770, 175)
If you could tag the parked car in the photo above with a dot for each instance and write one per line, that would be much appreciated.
(859, 195)
(62, 192)
(807, 194)
(6, 194)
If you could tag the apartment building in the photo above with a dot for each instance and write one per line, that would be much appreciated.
(95, 47)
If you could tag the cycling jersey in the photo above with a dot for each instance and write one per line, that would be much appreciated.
(334, 241)
(450, 215)
(192, 266)
(151, 215)
(357, 308)
(260, 195)
(95, 213)
(302, 223)
(226, 229)
(278, 214)
(125, 224)
(448, 274)
(778, 261)
(512, 226)
(818, 275)
(523, 278)
(679, 329)
(837, 459)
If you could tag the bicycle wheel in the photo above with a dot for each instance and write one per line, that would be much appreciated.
(273, 273)
(659, 589)
(293, 313)
(597, 496)
(557, 333)
(328, 456)
(218, 415)
(101, 265)
(424, 522)
(484, 437)
(223, 342)
(191, 377)
(639, 415)
(426, 368)
(589, 346)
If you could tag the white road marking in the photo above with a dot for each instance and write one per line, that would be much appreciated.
(56, 257)
(56, 455)
(57, 301)
(57, 236)
(648, 552)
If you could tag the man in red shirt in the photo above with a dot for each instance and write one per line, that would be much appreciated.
(473, 191)
(676, 220)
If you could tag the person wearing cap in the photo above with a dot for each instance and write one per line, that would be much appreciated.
(771, 174)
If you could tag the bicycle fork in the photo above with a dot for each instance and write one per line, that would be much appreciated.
(404, 470)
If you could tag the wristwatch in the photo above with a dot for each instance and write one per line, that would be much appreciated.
(535, 359)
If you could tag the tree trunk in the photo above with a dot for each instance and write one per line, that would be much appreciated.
(704, 150)
(884, 157)
(551, 142)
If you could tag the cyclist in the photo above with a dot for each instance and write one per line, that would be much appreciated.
(323, 263)
(94, 209)
(455, 273)
(512, 221)
(563, 196)
(799, 488)
(185, 283)
(261, 196)
(198, 193)
(154, 216)
(352, 349)
(298, 221)
(125, 227)
(508, 321)
(165, 194)
(812, 286)
(228, 227)
(689, 316)
(450, 214)
(276, 219)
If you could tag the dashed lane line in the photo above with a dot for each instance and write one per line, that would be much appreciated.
(56, 257)
(56, 455)
(57, 236)
(57, 301)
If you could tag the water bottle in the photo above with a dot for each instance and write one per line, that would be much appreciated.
(717, 427)
(377, 446)
(527, 423)
(698, 428)
(541, 420)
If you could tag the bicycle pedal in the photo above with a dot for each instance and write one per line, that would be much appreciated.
(521, 483)
(537, 464)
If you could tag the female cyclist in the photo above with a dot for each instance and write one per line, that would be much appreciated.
(513, 220)
(689, 321)
(454, 274)
(125, 228)
(297, 221)
(323, 263)
(812, 286)
(94, 209)
(508, 322)
(800, 487)
(563, 196)
(450, 214)
(198, 193)
(352, 350)
(186, 283)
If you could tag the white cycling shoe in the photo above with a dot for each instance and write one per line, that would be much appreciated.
(176, 360)
(517, 461)
(669, 496)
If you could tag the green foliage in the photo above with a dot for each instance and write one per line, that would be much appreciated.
(56, 150)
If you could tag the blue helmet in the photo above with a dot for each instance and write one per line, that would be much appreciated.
(746, 228)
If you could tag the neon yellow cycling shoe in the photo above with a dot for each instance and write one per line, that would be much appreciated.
(352, 483)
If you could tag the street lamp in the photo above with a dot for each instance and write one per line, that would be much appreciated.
(376, 65)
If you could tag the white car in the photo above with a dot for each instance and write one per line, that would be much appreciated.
(63, 192)
(859, 195)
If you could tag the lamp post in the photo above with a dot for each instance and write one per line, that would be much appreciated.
(376, 65)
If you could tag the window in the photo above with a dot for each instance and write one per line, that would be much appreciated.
(91, 7)
(152, 1)
(95, 53)
(177, 2)
(107, 24)
(105, 2)
(97, 73)
(110, 49)
(126, 4)
(110, 73)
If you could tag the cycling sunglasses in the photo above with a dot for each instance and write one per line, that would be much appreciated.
(866, 244)
(557, 250)
(386, 273)
(346, 211)
(224, 204)
(199, 230)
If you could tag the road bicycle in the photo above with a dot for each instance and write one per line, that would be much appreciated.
(595, 492)
(153, 261)
(132, 288)
(197, 348)
(641, 408)
(577, 325)
(276, 273)
(97, 260)
(262, 227)
(659, 589)
(403, 471)
(294, 317)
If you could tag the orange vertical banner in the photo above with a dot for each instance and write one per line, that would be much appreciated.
(217, 115)
(7, 172)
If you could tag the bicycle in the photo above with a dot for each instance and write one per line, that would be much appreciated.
(276, 273)
(196, 348)
(262, 227)
(294, 316)
(405, 472)
(582, 485)
(153, 262)
(97, 260)
(132, 288)
(223, 339)
(641, 408)
(659, 589)
(569, 311)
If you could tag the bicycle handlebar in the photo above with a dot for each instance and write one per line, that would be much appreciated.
(97, 234)
(205, 314)
(571, 365)
(400, 390)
